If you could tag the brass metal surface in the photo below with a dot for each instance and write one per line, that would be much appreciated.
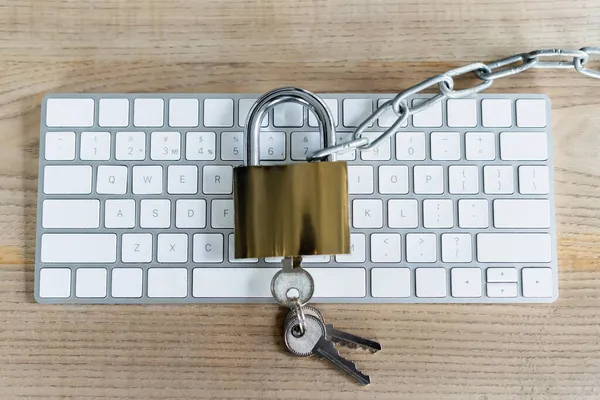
(290, 210)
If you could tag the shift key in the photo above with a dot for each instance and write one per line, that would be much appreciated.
(79, 248)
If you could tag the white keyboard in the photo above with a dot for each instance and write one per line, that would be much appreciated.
(135, 201)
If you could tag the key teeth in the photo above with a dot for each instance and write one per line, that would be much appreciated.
(352, 345)
(349, 363)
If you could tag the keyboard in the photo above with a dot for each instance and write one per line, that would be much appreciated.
(135, 200)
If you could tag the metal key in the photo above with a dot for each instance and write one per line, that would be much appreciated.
(335, 335)
(292, 284)
(314, 341)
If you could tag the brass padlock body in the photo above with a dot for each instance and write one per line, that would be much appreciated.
(290, 210)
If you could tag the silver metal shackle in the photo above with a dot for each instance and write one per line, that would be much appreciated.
(280, 96)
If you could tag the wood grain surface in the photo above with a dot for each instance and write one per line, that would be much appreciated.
(236, 352)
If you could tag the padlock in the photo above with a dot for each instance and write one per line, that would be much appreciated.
(292, 209)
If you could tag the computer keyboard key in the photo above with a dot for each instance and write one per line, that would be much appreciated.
(501, 274)
(90, 282)
(389, 117)
(332, 104)
(67, 179)
(521, 213)
(457, 248)
(428, 179)
(379, 153)
(431, 282)
(386, 248)
(360, 179)
(429, 117)
(537, 282)
(347, 155)
(304, 143)
(218, 113)
(244, 109)
(531, 113)
(155, 213)
(231, 252)
(200, 146)
(421, 247)
(130, 146)
(127, 282)
(232, 282)
(208, 248)
(113, 113)
(462, 113)
(148, 112)
(111, 179)
(523, 146)
(65, 112)
(480, 146)
(410, 146)
(390, 282)
(403, 213)
(498, 179)
(463, 179)
(288, 115)
(533, 179)
(222, 214)
(190, 213)
(167, 282)
(316, 259)
(148, 179)
(78, 248)
(70, 214)
(60, 146)
(217, 179)
(357, 250)
(367, 213)
(95, 146)
(339, 282)
(438, 213)
(393, 179)
(183, 112)
(355, 111)
(55, 283)
(466, 282)
(165, 146)
(119, 213)
(136, 248)
(445, 146)
(495, 290)
(232, 146)
(496, 113)
(272, 146)
(172, 248)
(514, 247)
(182, 179)
(473, 213)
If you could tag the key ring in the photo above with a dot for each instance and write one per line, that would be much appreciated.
(300, 316)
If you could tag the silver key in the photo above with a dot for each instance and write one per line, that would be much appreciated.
(292, 285)
(335, 335)
(314, 341)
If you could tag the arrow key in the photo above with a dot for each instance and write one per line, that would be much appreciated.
(537, 282)
(502, 289)
(501, 275)
(466, 282)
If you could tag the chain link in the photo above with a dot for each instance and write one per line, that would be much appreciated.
(486, 73)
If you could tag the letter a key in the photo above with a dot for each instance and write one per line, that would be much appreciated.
(315, 341)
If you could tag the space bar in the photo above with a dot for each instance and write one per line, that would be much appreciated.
(256, 282)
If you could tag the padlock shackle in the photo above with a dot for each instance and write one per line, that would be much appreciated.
(280, 96)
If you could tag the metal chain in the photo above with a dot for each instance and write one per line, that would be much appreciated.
(487, 73)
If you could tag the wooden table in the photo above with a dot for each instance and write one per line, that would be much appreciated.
(234, 352)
